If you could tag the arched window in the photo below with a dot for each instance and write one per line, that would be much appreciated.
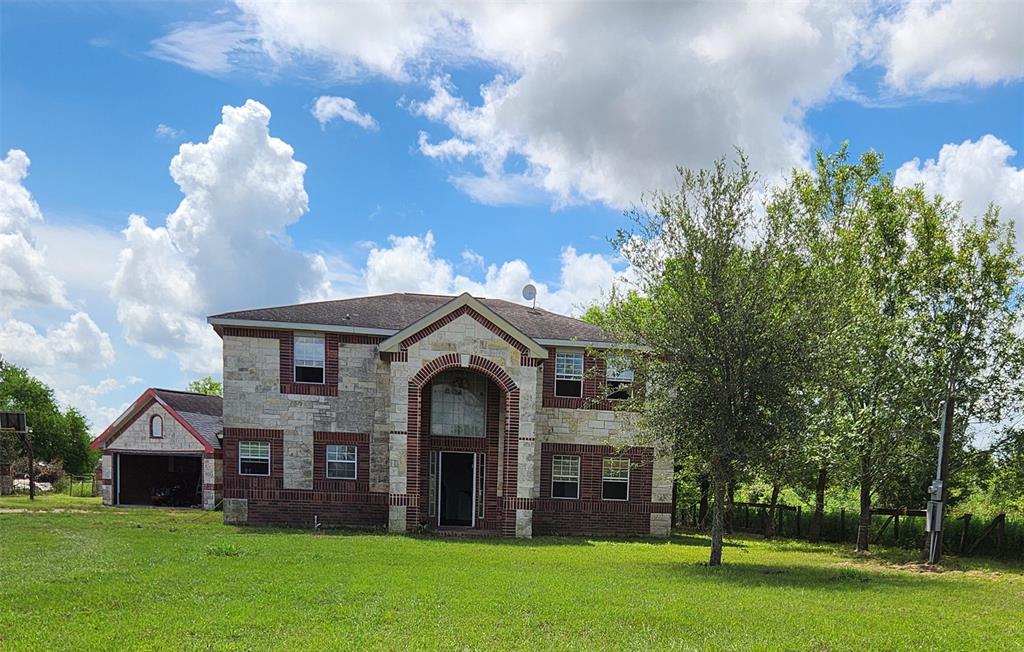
(156, 426)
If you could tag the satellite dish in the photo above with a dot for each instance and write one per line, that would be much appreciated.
(530, 293)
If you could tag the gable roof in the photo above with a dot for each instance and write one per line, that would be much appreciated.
(394, 342)
(199, 414)
(387, 314)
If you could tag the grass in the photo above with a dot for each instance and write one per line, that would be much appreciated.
(74, 575)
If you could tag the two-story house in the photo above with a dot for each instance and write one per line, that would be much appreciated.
(416, 412)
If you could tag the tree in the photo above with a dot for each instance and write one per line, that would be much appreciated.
(720, 306)
(56, 434)
(207, 385)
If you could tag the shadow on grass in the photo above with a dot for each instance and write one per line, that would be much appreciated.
(825, 577)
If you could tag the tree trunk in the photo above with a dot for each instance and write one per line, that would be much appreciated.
(702, 513)
(717, 520)
(769, 526)
(864, 523)
(814, 533)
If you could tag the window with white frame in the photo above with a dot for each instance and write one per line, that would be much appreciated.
(254, 458)
(309, 359)
(156, 426)
(619, 377)
(565, 476)
(458, 404)
(569, 374)
(341, 462)
(615, 479)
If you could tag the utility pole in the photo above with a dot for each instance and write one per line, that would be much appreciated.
(937, 490)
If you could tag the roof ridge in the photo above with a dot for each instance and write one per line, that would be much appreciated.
(184, 391)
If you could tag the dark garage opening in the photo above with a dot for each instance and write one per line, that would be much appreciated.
(160, 480)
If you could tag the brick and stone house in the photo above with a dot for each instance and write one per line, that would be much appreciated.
(164, 449)
(417, 412)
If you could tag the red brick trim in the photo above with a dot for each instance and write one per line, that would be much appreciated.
(361, 441)
(594, 388)
(415, 414)
(249, 486)
(287, 365)
(455, 314)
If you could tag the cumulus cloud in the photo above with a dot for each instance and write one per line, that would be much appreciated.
(935, 45)
(330, 107)
(563, 117)
(24, 277)
(974, 173)
(409, 264)
(76, 344)
(224, 247)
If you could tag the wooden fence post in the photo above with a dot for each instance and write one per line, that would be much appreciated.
(842, 525)
(798, 521)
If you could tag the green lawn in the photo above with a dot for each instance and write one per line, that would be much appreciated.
(87, 577)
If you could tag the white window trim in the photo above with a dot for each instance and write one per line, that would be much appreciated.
(579, 472)
(250, 457)
(583, 373)
(295, 359)
(629, 475)
(354, 463)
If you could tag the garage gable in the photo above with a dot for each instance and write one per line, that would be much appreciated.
(133, 430)
(136, 435)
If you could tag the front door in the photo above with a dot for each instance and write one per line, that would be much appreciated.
(456, 489)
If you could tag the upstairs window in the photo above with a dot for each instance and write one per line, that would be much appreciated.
(458, 404)
(615, 479)
(253, 458)
(565, 476)
(309, 359)
(156, 426)
(569, 374)
(341, 462)
(619, 377)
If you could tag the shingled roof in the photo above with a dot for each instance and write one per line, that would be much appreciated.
(389, 313)
(204, 413)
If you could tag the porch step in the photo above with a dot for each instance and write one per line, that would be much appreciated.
(459, 533)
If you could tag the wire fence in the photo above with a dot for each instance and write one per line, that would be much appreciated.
(968, 535)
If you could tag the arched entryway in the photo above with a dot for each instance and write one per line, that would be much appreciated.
(462, 445)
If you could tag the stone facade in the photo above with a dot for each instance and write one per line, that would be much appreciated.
(381, 406)
(135, 437)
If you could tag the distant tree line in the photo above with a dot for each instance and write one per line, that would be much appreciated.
(802, 336)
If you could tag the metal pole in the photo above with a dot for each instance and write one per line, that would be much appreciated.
(933, 517)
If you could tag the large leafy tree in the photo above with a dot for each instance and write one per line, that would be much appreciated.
(56, 434)
(721, 309)
(207, 385)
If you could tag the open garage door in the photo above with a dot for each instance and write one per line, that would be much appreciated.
(158, 480)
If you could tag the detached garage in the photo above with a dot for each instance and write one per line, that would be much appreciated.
(164, 451)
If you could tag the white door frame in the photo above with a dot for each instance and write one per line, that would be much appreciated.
(440, 474)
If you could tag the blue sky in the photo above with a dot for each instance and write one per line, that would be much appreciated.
(514, 136)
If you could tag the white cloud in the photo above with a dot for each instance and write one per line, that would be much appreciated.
(84, 399)
(82, 256)
(571, 116)
(974, 173)
(24, 277)
(224, 247)
(166, 132)
(76, 344)
(329, 107)
(934, 45)
(211, 48)
(409, 264)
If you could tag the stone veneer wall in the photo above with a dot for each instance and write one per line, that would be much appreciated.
(462, 338)
(135, 436)
(594, 434)
(255, 408)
